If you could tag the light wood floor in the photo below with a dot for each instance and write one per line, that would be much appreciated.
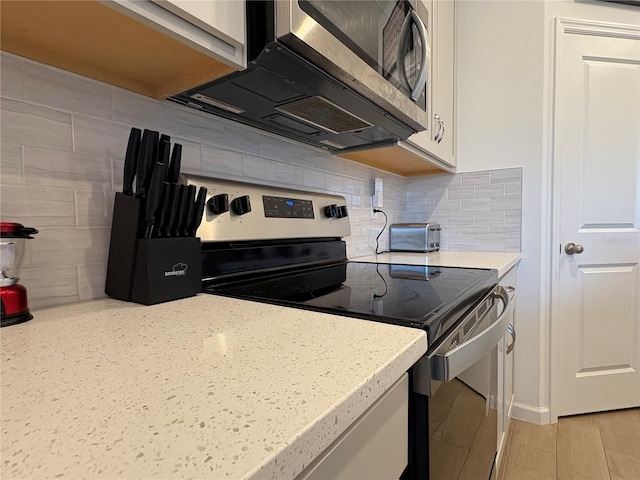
(597, 446)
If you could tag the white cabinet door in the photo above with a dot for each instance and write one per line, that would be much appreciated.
(596, 203)
(219, 33)
(374, 447)
(222, 18)
(506, 349)
(439, 140)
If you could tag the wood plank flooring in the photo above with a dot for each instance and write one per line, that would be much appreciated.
(598, 446)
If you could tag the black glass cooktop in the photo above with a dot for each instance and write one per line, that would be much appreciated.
(431, 298)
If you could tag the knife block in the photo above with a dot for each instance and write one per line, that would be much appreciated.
(148, 271)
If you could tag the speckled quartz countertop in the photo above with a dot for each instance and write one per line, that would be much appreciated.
(205, 387)
(502, 262)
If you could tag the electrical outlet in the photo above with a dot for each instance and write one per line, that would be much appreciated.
(372, 214)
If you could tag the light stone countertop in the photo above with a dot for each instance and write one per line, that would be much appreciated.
(205, 387)
(503, 262)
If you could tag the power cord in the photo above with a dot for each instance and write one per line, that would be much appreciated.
(375, 210)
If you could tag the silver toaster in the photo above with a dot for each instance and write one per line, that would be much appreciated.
(414, 237)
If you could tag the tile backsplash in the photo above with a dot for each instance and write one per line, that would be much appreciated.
(63, 139)
(478, 211)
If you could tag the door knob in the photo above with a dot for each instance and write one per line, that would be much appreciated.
(571, 248)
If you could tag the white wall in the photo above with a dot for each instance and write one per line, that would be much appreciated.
(505, 69)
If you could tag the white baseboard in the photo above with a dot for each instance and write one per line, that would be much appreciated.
(531, 413)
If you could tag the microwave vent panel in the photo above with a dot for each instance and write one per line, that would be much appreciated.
(323, 114)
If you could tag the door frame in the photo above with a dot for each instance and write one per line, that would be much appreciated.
(565, 26)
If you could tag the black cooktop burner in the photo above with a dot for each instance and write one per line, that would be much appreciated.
(431, 298)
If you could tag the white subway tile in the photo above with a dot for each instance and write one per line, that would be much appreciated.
(289, 174)
(66, 91)
(258, 168)
(10, 163)
(461, 245)
(199, 127)
(100, 137)
(450, 232)
(442, 218)
(94, 208)
(506, 175)
(490, 218)
(58, 168)
(475, 204)
(513, 218)
(448, 206)
(218, 162)
(506, 203)
(489, 191)
(458, 193)
(12, 84)
(38, 206)
(69, 246)
(275, 148)
(314, 178)
(475, 231)
(461, 218)
(490, 245)
(505, 231)
(33, 125)
(335, 183)
(143, 112)
(513, 189)
(436, 194)
(356, 187)
(476, 178)
(47, 287)
(240, 138)
(91, 281)
(512, 245)
(447, 180)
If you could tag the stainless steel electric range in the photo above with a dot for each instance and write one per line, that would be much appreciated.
(286, 247)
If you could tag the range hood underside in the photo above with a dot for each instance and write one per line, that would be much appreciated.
(282, 93)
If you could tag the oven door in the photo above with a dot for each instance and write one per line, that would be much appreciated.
(455, 397)
(380, 49)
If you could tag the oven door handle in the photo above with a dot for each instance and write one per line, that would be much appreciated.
(446, 366)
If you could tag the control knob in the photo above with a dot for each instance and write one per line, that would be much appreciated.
(335, 211)
(241, 205)
(218, 203)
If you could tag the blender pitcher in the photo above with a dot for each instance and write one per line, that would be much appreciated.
(13, 295)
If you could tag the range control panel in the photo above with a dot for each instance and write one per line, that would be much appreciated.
(287, 207)
(239, 211)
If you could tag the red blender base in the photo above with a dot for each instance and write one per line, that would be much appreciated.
(14, 305)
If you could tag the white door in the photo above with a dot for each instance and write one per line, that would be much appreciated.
(596, 304)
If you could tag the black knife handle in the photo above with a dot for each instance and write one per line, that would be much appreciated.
(131, 160)
(176, 160)
(164, 152)
(196, 220)
(162, 215)
(153, 198)
(187, 215)
(145, 163)
(172, 218)
(181, 197)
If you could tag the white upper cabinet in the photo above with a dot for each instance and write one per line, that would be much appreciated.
(439, 141)
(137, 45)
(223, 18)
(216, 27)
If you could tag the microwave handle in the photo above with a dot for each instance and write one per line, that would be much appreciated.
(413, 18)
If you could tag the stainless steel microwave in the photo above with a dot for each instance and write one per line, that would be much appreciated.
(341, 75)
